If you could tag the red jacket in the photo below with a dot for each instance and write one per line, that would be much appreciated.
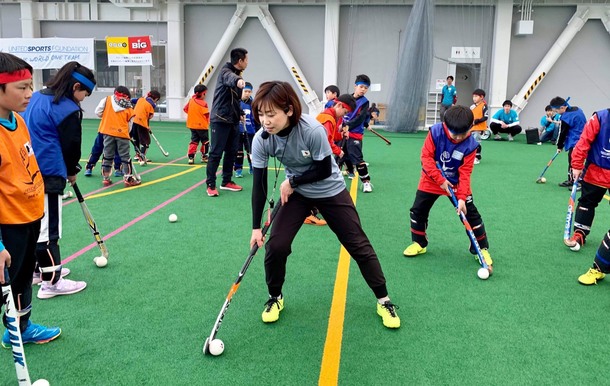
(432, 178)
(328, 119)
(595, 175)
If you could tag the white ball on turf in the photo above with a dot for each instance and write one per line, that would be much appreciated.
(483, 273)
(173, 218)
(576, 247)
(216, 347)
(100, 261)
(41, 382)
(543, 180)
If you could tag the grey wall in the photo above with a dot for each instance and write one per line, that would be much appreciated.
(302, 28)
(10, 21)
(99, 30)
(369, 43)
(581, 72)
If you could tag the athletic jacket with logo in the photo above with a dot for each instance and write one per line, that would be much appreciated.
(456, 159)
(594, 146)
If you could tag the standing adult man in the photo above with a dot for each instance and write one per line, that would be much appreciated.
(224, 121)
(448, 97)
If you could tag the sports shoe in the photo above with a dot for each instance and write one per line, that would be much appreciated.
(314, 220)
(477, 161)
(566, 183)
(118, 173)
(191, 161)
(388, 314)
(232, 186)
(271, 313)
(367, 187)
(510, 138)
(351, 176)
(212, 192)
(106, 182)
(131, 181)
(497, 137)
(34, 333)
(62, 287)
(592, 276)
(238, 173)
(577, 238)
(88, 172)
(204, 158)
(414, 249)
(37, 279)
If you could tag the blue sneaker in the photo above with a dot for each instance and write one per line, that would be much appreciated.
(118, 173)
(88, 172)
(238, 173)
(34, 333)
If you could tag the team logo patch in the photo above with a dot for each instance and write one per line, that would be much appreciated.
(458, 155)
(306, 153)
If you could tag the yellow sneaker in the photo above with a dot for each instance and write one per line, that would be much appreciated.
(414, 249)
(592, 276)
(271, 313)
(388, 314)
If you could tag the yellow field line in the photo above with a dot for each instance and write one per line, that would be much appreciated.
(329, 371)
(607, 197)
(192, 169)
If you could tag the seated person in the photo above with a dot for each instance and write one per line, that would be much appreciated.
(505, 121)
(549, 125)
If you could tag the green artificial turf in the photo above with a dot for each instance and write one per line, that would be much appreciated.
(143, 319)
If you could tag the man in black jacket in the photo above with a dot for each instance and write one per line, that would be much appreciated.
(224, 122)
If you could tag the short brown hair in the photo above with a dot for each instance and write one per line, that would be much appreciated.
(277, 94)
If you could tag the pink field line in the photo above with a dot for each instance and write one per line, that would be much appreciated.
(132, 222)
(108, 187)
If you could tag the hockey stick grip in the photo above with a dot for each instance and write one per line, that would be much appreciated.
(79, 195)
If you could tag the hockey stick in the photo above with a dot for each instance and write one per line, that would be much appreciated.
(14, 333)
(236, 284)
(539, 180)
(379, 135)
(159, 144)
(469, 230)
(91, 222)
(567, 230)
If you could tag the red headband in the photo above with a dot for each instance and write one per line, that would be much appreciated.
(16, 76)
(345, 105)
(120, 95)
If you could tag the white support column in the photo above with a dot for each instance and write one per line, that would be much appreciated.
(175, 55)
(237, 21)
(331, 43)
(309, 95)
(30, 28)
(500, 54)
(574, 25)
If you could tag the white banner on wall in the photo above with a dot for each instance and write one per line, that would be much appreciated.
(48, 53)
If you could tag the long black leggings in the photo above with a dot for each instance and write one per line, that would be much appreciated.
(342, 218)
